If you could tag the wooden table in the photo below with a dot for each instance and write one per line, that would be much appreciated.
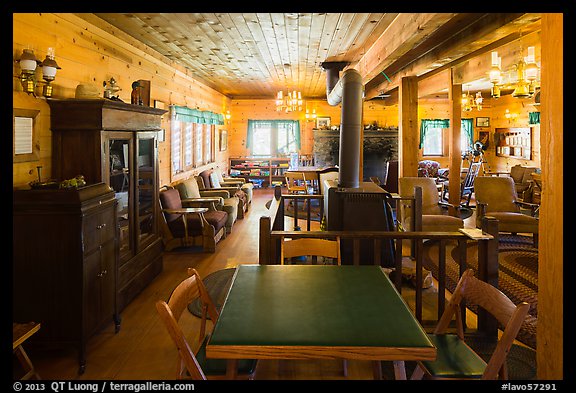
(20, 333)
(317, 312)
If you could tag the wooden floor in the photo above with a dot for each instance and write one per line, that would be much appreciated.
(142, 349)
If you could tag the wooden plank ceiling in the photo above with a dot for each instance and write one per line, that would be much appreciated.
(253, 55)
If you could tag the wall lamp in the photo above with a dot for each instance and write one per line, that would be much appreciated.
(28, 66)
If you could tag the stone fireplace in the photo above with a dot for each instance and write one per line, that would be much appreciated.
(380, 146)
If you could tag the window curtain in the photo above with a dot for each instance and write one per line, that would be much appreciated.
(533, 117)
(293, 125)
(426, 124)
(189, 115)
(468, 127)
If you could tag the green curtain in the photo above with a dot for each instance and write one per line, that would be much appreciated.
(189, 115)
(250, 132)
(533, 117)
(468, 127)
(426, 124)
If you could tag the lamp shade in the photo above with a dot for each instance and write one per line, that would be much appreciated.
(49, 68)
(28, 61)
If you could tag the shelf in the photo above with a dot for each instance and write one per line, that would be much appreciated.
(514, 142)
(267, 168)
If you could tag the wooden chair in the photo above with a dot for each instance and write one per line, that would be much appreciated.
(296, 183)
(310, 247)
(466, 185)
(455, 359)
(193, 364)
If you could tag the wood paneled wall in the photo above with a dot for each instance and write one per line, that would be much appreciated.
(90, 53)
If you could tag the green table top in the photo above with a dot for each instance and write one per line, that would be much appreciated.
(290, 311)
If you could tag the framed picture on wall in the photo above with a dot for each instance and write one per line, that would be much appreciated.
(223, 140)
(482, 122)
(323, 123)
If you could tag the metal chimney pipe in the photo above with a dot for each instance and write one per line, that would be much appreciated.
(349, 90)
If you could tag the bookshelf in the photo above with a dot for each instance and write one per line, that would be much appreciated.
(262, 171)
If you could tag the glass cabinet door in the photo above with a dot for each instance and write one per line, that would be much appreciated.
(119, 166)
(146, 189)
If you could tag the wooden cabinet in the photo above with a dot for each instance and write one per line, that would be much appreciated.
(514, 142)
(65, 263)
(263, 172)
(116, 143)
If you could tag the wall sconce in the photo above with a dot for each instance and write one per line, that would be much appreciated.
(510, 116)
(28, 65)
(49, 68)
(227, 115)
(311, 116)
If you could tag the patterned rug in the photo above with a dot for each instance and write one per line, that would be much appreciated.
(217, 285)
(517, 278)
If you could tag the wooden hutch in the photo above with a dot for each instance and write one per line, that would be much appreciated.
(116, 143)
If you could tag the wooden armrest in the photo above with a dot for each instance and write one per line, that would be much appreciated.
(209, 203)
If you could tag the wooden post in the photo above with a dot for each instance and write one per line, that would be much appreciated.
(488, 272)
(408, 135)
(454, 151)
(550, 333)
(264, 241)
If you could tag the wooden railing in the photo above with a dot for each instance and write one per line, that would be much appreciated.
(272, 229)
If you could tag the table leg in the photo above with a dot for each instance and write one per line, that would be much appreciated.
(399, 370)
(232, 369)
(377, 369)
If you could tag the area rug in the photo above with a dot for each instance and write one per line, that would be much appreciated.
(517, 277)
(217, 285)
(303, 209)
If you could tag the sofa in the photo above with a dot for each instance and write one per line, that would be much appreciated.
(189, 189)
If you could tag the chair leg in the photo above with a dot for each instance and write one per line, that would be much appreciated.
(418, 373)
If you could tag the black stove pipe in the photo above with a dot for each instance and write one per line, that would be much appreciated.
(349, 91)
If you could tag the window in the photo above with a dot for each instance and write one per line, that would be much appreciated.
(192, 138)
(433, 142)
(432, 135)
(273, 137)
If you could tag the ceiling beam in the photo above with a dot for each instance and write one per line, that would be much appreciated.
(407, 31)
(486, 34)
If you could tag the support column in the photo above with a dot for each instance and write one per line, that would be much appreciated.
(454, 135)
(550, 332)
(408, 133)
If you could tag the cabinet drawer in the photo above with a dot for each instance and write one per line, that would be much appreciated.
(98, 228)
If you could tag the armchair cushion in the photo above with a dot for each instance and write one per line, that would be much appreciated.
(428, 168)
(170, 199)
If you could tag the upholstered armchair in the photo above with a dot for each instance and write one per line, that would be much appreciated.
(497, 197)
(245, 186)
(431, 168)
(190, 193)
(182, 228)
(204, 184)
(435, 217)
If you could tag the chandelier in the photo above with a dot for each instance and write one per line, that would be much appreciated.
(469, 102)
(526, 76)
(290, 102)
